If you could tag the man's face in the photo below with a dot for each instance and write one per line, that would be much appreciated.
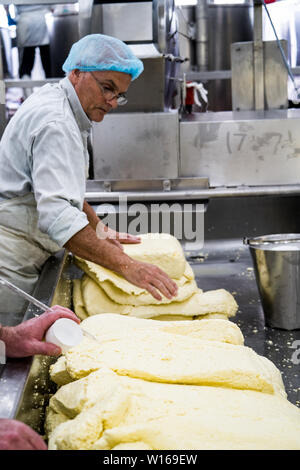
(92, 87)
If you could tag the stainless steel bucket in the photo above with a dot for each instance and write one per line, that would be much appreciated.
(276, 260)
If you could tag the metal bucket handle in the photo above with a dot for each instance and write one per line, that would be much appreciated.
(264, 241)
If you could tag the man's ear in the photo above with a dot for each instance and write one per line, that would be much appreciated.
(74, 76)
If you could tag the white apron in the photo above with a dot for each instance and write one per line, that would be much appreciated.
(32, 28)
(23, 250)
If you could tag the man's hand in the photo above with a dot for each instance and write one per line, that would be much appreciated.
(15, 435)
(150, 277)
(144, 275)
(103, 232)
(26, 339)
(85, 244)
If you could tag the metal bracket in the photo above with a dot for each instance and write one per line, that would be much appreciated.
(167, 185)
(107, 186)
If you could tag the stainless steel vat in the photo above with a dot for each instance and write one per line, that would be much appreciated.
(276, 260)
(136, 146)
(143, 25)
(272, 74)
(227, 24)
(25, 384)
(63, 32)
(224, 262)
(241, 148)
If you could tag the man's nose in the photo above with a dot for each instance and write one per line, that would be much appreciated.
(113, 103)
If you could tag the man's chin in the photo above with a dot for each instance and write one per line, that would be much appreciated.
(97, 117)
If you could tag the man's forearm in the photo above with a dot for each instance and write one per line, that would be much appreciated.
(91, 215)
(5, 334)
(105, 252)
(87, 245)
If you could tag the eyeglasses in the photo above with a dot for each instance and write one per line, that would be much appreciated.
(109, 94)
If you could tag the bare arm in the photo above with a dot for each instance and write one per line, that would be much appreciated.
(91, 215)
(103, 231)
(87, 245)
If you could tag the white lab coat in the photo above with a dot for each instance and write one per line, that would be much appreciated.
(44, 160)
(31, 26)
(23, 250)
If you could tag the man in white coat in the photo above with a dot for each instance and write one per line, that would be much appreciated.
(32, 32)
(44, 164)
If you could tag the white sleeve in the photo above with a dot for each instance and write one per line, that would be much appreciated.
(59, 180)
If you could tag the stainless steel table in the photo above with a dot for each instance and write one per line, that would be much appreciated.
(25, 385)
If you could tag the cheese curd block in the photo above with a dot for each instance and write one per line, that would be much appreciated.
(95, 301)
(210, 330)
(199, 362)
(161, 249)
(162, 356)
(103, 291)
(174, 318)
(79, 433)
(123, 292)
(108, 411)
(214, 316)
(211, 431)
(137, 445)
(59, 373)
(185, 290)
(78, 304)
(53, 419)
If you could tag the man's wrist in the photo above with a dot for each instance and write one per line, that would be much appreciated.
(124, 263)
(4, 333)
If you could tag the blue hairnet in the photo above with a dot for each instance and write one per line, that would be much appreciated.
(100, 52)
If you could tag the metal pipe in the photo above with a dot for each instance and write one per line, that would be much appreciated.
(34, 2)
(204, 194)
(85, 17)
(220, 74)
(159, 19)
(18, 83)
(2, 94)
(202, 35)
(258, 58)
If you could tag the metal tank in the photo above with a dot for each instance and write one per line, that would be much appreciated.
(6, 52)
(226, 24)
(150, 29)
(146, 128)
(63, 32)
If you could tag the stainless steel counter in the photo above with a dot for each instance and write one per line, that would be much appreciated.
(24, 383)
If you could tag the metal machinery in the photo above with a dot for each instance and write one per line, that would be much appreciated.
(237, 163)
